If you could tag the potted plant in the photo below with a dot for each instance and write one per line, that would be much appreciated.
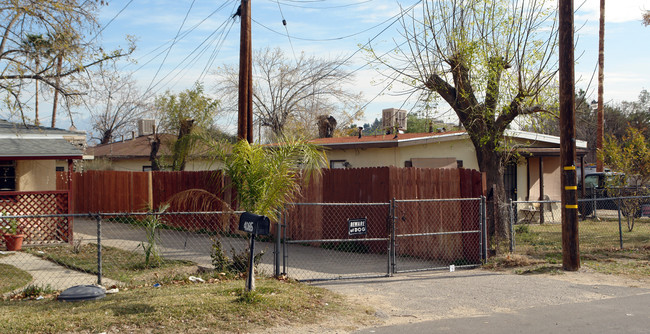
(12, 235)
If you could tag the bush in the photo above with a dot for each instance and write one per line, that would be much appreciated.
(238, 264)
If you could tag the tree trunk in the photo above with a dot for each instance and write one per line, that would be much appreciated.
(59, 63)
(155, 146)
(36, 120)
(107, 136)
(181, 146)
(490, 163)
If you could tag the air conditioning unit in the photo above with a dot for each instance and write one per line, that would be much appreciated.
(146, 126)
(394, 117)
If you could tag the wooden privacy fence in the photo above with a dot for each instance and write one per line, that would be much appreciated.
(378, 185)
(119, 191)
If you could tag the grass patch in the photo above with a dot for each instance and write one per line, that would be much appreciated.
(209, 307)
(599, 246)
(12, 278)
(508, 261)
(118, 264)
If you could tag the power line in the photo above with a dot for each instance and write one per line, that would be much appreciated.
(109, 22)
(284, 23)
(172, 45)
(285, 2)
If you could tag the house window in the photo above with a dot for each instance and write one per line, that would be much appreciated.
(339, 164)
(146, 168)
(7, 175)
(408, 163)
(459, 163)
(60, 169)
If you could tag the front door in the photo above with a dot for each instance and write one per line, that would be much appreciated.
(510, 181)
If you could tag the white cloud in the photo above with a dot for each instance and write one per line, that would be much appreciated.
(616, 11)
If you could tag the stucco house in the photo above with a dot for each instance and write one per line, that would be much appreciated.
(133, 154)
(29, 159)
(454, 149)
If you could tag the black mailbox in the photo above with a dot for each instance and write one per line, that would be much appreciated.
(255, 224)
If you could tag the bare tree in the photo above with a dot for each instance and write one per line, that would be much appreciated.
(489, 60)
(289, 95)
(22, 18)
(114, 103)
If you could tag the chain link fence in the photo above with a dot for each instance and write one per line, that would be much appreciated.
(438, 234)
(356, 240)
(313, 241)
(605, 223)
(133, 249)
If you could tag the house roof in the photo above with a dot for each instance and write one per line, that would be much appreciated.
(19, 141)
(136, 148)
(407, 139)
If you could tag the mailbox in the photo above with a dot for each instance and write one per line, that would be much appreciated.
(255, 224)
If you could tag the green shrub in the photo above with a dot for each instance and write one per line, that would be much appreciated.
(238, 264)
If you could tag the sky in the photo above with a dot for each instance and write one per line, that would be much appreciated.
(180, 42)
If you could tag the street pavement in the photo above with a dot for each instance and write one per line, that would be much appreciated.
(629, 314)
(480, 301)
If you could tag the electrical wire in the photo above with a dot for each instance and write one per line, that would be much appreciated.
(109, 22)
(284, 23)
(172, 45)
(326, 7)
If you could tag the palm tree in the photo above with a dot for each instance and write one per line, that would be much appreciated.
(36, 47)
(265, 177)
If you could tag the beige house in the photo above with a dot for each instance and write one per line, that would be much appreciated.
(133, 155)
(454, 149)
(31, 155)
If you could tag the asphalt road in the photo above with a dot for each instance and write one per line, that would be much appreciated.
(615, 315)
(479, 301)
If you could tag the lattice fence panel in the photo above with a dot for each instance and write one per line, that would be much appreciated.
(39, 231)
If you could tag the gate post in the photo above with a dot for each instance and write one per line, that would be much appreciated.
(391, 243)
(98, 217)
(483, 228)
(276, 258)
(512, 224)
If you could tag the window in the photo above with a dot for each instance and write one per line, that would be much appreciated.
(60, 169)
(339, 164)
(591, 181)
(146, 168)
(7, 175)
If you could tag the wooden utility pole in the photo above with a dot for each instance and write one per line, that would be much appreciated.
(245, 104)
(600, 133)
(570, 244)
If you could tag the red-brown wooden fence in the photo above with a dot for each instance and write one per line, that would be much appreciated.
(119, 191)
(380, 185)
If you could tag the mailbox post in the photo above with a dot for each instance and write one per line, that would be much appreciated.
(255, 225)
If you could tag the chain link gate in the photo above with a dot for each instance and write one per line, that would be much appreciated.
(326, 241)
(319, 243)
(434, 234)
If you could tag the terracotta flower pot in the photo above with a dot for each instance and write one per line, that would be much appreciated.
(14, 242)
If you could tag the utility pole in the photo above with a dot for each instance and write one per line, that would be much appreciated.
(245, 103)
(570, 244)
(600, 133)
